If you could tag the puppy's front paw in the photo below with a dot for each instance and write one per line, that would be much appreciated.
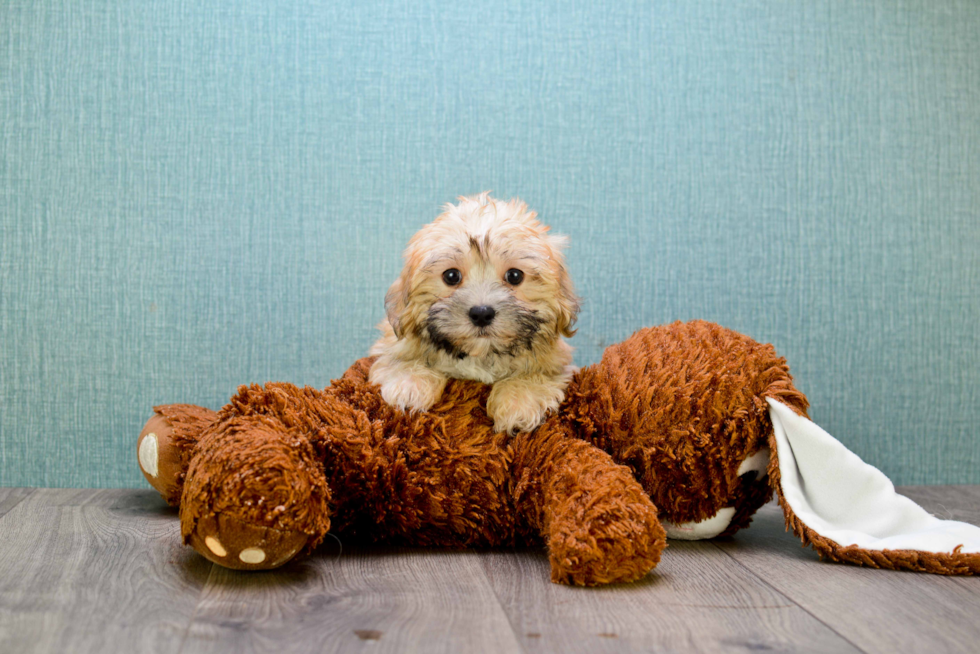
(412, 392)
(521, 404)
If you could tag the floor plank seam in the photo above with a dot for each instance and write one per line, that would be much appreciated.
(197, 609)
(789, 599)
(496, 596)
(29, 493)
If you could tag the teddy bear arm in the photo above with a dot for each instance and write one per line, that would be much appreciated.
(282, 465)
(599, 525)
(256, 490)
(255, 494)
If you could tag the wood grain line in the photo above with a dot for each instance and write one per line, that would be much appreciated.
(364, 599)
(876, 610)
(695, 600)
(95, 571)
(762, 579)
(11, 497)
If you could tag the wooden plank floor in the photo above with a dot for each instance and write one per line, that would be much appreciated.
(104, 571)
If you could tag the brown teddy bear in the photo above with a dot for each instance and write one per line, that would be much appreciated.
(670, 434)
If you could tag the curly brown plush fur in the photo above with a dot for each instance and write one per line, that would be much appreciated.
(662, 423)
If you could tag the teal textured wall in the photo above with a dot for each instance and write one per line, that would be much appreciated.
(198, 195)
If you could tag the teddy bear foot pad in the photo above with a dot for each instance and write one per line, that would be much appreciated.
(233, 543)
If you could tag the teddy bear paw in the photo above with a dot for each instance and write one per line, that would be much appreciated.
(158, 458)
(234, 543)
(613, 546)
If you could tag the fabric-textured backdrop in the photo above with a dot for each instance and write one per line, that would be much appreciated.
(199, 195)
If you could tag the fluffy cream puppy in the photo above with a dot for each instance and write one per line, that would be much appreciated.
(484, 295)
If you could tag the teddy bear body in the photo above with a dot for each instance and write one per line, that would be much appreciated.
(658, 433)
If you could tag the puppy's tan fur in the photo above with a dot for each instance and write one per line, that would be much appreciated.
(428, 337)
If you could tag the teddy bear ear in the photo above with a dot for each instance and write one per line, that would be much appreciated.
(849, 510)
(396, 300)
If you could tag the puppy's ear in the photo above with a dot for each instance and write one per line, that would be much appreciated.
(396, 299)
(568, 303)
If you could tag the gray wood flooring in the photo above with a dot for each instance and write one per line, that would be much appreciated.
(104, 571)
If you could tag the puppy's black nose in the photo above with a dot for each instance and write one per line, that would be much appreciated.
(482, 315)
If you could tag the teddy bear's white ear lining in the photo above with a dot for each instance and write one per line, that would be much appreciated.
(843, 499)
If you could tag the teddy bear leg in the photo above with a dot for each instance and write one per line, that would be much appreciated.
(255, 493)
(166, 443)
(599, 525)
(750, 491)
(753, 490)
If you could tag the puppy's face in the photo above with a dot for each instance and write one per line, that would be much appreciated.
(484, 278)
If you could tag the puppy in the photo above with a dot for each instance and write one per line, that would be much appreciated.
(484, 295)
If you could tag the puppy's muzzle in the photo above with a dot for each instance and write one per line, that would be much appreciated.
(482, 315)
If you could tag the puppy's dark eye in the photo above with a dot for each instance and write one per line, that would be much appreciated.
(452, 277)
(514, 276)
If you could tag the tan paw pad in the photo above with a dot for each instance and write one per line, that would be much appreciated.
(148, 454)
(252, 555)
(215, 546)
